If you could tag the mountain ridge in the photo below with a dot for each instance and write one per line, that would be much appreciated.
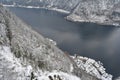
(102, 12)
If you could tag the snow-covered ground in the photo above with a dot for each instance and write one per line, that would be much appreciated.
(92, 67)
(9, 62)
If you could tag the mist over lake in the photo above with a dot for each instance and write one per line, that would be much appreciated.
(99, 42)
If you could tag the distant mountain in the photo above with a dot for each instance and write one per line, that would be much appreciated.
(97, 11)
(61, 4)
(26, 55)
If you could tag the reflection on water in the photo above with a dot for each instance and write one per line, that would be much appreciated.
(86, 39)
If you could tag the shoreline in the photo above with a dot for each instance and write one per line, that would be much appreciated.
(33, 7)
(69, 18)
(75, 18)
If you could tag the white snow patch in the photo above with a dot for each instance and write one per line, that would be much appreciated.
(51, 41)
(60, 10)
(8, 5)
(71, 68)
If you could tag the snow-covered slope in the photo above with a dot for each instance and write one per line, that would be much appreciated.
(60, 4)
(29, 46)
(26, 55)
(92, 67)
(12, 69)
(97, 11)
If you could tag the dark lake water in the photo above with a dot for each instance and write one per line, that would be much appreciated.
(99, 42)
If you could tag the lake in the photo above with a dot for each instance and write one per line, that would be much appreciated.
(99, 42)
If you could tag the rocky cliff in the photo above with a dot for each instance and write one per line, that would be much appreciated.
(26, 55)
(97, 11)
